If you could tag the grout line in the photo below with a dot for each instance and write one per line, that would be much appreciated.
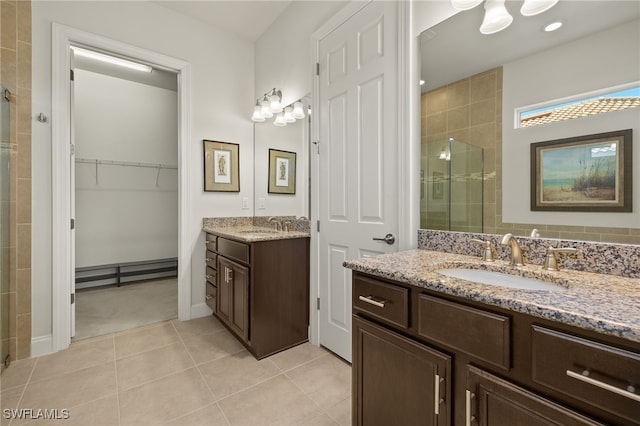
(115, 366)
(25, 387)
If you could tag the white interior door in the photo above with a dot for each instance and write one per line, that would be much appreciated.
(72, 191)
(358, 158)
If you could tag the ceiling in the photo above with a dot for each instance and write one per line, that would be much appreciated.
(248, 19)
(455, 49)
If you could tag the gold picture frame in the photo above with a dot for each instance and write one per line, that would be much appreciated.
(282, 172)
(221, 166)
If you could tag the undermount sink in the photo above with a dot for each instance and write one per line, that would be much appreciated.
(499, 279)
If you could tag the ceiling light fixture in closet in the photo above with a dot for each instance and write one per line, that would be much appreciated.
(110, 59)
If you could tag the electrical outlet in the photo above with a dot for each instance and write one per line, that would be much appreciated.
(261, 203)
(245, 203)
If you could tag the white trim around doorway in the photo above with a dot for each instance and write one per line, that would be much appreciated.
(62, 38)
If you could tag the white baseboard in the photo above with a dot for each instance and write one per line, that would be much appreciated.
(200, 310)
(41, 345)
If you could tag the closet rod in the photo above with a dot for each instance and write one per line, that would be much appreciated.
(125, 163)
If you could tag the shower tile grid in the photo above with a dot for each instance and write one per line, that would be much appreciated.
(176, 373)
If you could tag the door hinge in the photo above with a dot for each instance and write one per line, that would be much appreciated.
(318, 226)
(71, 75)
(318, 303)
(73, 298)
(73, 224)
(317, 68)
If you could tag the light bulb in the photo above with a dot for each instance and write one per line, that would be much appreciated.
(288, 115)
(274, 101)
(279, 121)
(298, 110)
(264, 109)
(257, 114)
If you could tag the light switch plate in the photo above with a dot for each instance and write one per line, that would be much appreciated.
(245, 203)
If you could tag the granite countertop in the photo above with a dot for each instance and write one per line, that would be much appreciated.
(602, 303)
(252, 233)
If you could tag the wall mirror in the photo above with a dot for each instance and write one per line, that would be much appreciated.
(289, 139)
(465, 74)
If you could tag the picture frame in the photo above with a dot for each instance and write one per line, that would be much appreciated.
(282, 172)
(590, 173)
(221, 166)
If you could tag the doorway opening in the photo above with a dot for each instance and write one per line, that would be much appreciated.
(124, 121)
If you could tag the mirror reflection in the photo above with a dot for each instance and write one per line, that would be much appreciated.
(475, 82)
(290, 139)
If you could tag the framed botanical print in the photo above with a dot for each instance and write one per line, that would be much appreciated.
(282, 172)
(221, 166)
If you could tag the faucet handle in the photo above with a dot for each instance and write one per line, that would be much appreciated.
(488, 252)
(551, 259)
(285, 225)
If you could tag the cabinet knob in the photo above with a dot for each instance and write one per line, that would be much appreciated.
(208, 297)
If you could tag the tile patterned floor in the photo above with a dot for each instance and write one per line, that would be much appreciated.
(177, 373)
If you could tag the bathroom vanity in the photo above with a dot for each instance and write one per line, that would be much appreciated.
(257, 284)
(430, 349)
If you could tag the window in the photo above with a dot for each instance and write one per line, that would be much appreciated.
(612, 99)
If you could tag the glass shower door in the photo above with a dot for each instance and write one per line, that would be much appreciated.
(5, 151)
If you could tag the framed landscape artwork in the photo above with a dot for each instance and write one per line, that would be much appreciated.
(589, 173)
(221, 167)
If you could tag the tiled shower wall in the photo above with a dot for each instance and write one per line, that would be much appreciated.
(15, 74)
(470, 110)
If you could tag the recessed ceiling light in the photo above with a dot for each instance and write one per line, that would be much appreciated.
(553, 26)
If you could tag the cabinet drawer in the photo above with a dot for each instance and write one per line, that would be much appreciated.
(210, 296)
(211, 276)
(233, 250)
(387, 302)
(479, 333)
(211, 241)
(601, 375)
(212, 260)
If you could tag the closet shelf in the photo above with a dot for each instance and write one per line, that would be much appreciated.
(125, 163)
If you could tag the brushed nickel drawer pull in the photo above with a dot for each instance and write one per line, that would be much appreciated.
(436, 395)
(468, 417)
(208, 259)
(209, 276)
(372, 301)
(584, 377)
(208, 297)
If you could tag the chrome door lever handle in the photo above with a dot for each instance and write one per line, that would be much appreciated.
(389, 239)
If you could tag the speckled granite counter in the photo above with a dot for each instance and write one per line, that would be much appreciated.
(251, 229)
(602, 303)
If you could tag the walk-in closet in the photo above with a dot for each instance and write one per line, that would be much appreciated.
(125, 202)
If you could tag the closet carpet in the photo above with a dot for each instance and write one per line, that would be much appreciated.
(104, 310)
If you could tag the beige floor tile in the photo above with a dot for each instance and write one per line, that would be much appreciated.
(297, 356)
(275, 402)
(236, 372)
(77, 357)
(341, 412)
(321, 420)
(150, 365)
(211, 346)
(144, 339)
(101, 412)
(17, 373)
(167, 398)
(326, 380)
(211, 415)
(71, 389)
(196, 327)
(9, 399)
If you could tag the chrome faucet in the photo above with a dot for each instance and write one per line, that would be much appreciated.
(516, 252)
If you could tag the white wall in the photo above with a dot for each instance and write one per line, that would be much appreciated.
(293, 138)
(222, 97)
(602, 60)
(283, 53)
(124, 213)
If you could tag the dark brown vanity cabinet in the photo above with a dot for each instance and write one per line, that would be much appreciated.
(433, 359)
(262, 291)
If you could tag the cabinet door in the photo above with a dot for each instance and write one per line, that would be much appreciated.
(239, 316)
(223, 304)
(398, 381)
(496, 402)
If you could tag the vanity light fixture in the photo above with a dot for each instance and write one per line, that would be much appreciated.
(496, 17)
(271, 103)
(79, 51)
(536, 7)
